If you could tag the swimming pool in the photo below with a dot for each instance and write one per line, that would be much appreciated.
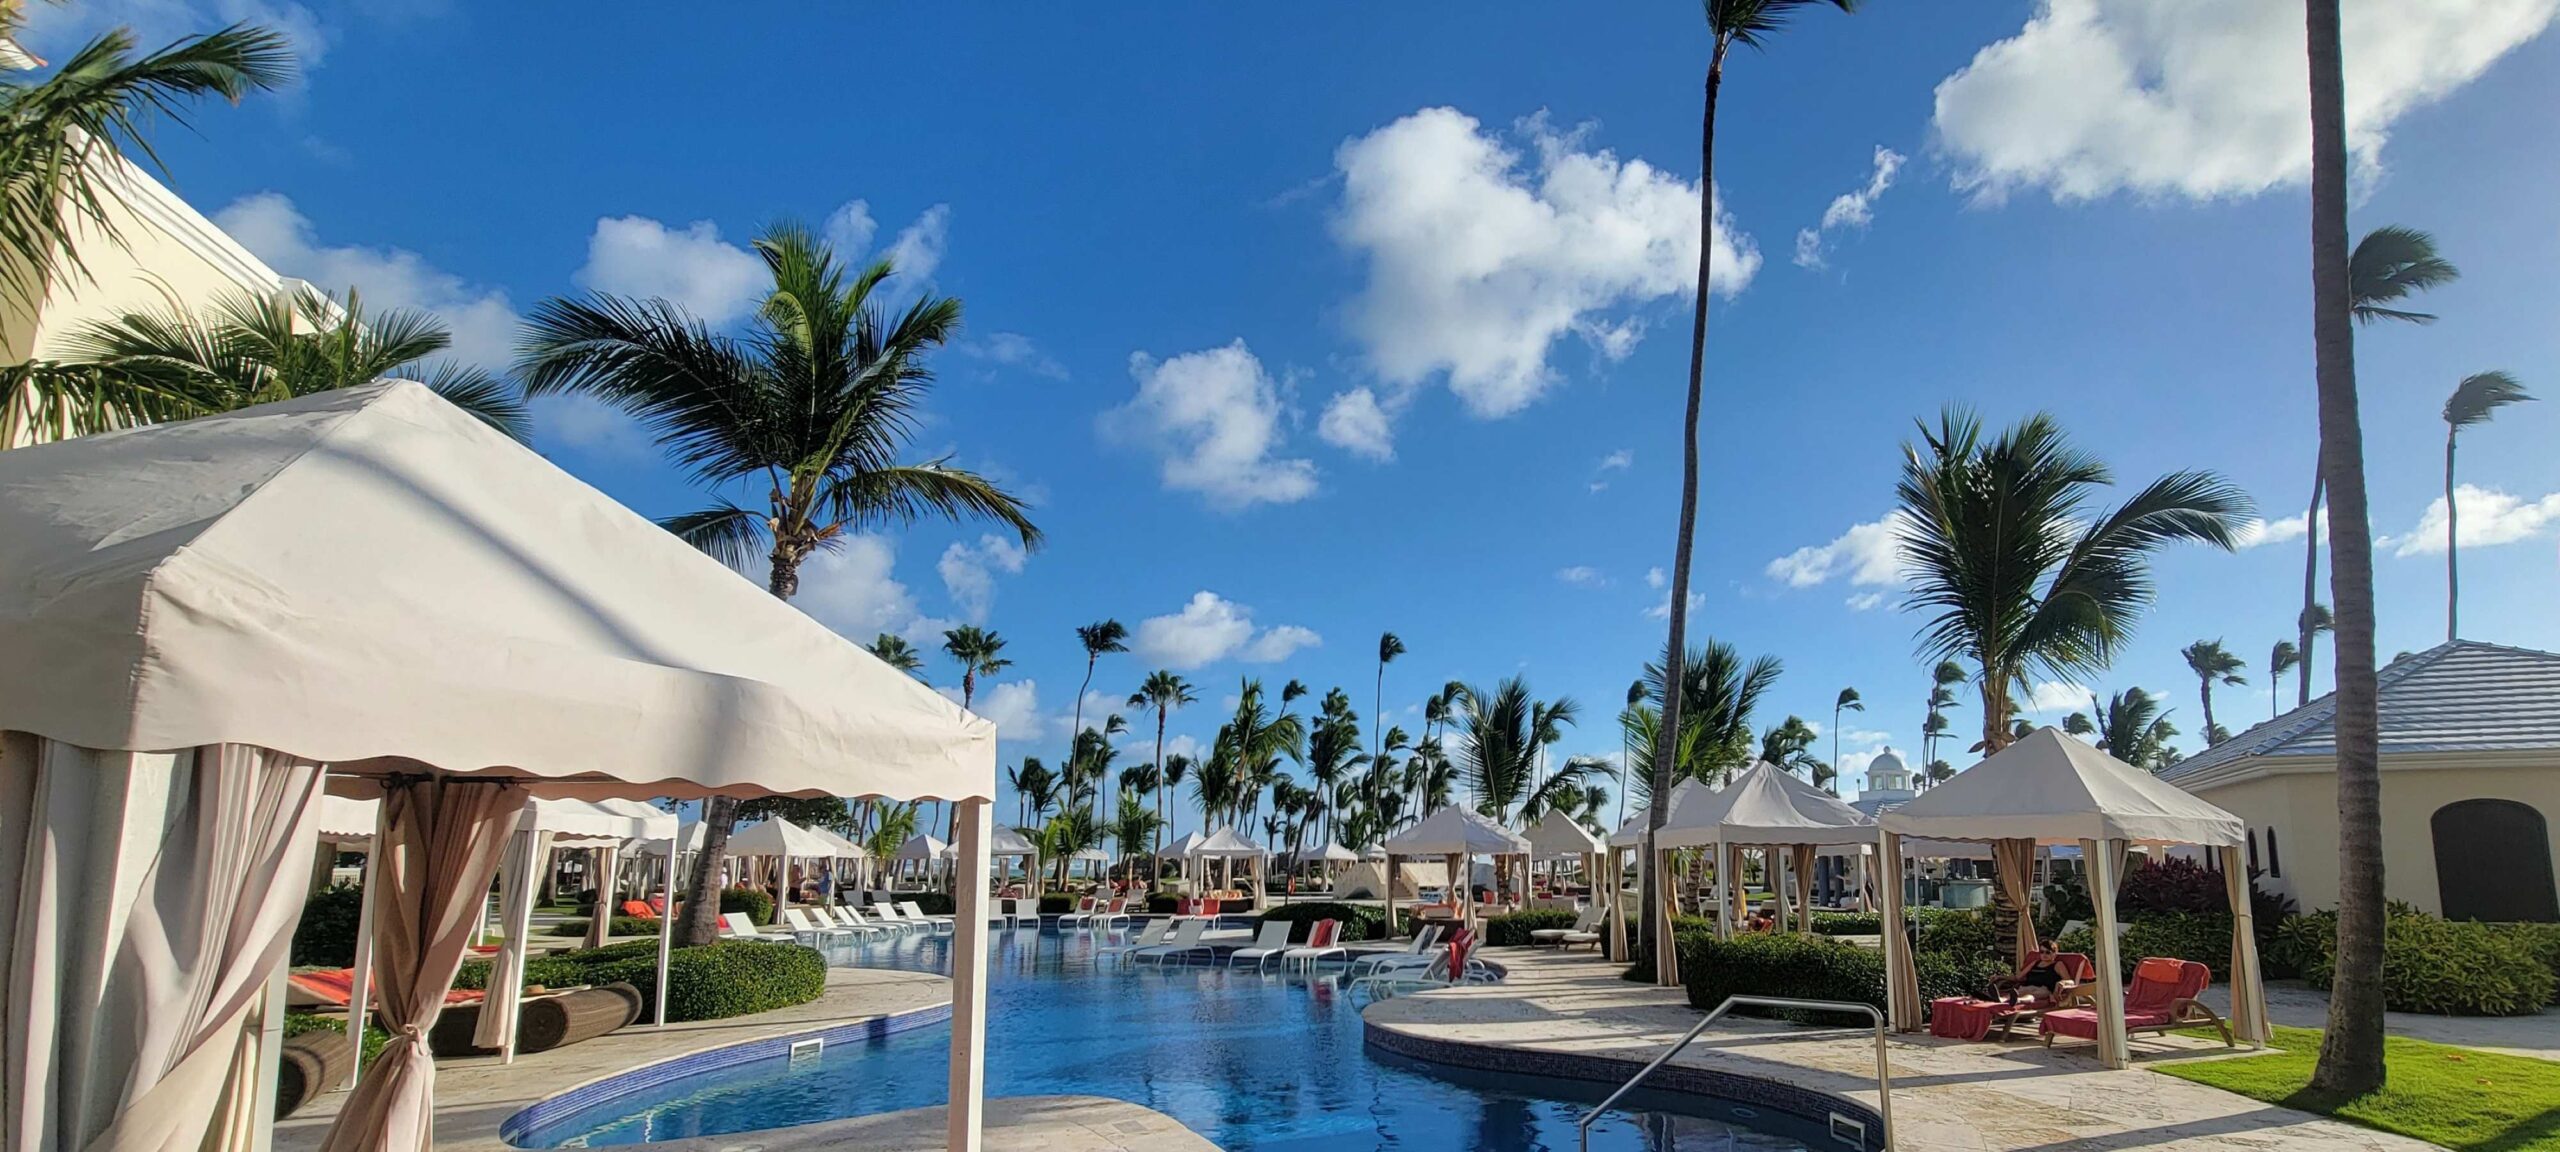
(1255, 1063)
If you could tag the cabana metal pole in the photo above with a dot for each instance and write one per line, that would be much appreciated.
(967, 1113)
(2104, 859)
(360, 981)
(666, 939)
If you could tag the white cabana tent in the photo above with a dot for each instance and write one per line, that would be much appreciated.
(1008, 842)
(920, 853)
(197, 617)
(2049, 788)
(1180, 852)
(547, 824)
(1558, 837)
(1224, 846)
(1629, 839)
(1324, 859)
(782, 842)
(1456, 836)
(1767, 806)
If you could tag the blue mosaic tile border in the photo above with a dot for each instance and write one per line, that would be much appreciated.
(1805, 1104)
(648, 1076)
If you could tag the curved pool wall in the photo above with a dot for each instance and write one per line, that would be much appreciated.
(1255, 1062)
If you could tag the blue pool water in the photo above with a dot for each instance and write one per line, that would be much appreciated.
(1255, 1063)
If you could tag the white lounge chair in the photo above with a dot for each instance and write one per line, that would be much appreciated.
(1148, 937)
(1272, 941)
(1081, 915)
(1414, 954)
(1580, 933)
(1323, 942)
(738, 926)
(1184, 941)
(852, 921)
(801, 925)
(1115, 913)
(939, 923)
(853, 918)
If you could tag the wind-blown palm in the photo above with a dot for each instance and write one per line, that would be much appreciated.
(893, 650)
(1847, 700)
(1098, 639)
(813, 407)
(2390, 265)
(2131, 727)
(1333, 752)
(2474, 401)
(979, 652)
(2210, 661)
(1390, 646)
(1720, 690)
(1162, 692)
(2020, 572)
(2283, 658)
(1790, 746)
(1501, 737)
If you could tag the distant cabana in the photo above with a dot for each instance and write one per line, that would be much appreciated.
(1771, 809)
(1324, 859)
(369, 592)
(919, 855)
(1007, 842)
(780, 841)
(1629, 840)
(1457, 836)
(547, 825)
(1557, 837)
(2051, 789)
(1224, 846)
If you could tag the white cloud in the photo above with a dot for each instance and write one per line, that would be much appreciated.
(1012, 706)
(917, 251)
(852, 589)
(1865, 601)
(716, 281)
(1215, 416)
(2200, 98)
(1354, 422)
(1854, 209)
(1581, 575)
(57, 30)
(1480, 258)
(1211, 628)
(2489, 517)
(968, 572)
(482, 321)
(1662, 610)
(1014, 350)
(1618, 461)
(849, 229)
(1868, 554)
(2255, 532)
(2054, 696)
(1654, 578)
(1864, 736)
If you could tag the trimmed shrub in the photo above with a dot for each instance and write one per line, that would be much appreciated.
(2203, 938)
(622, 926)
(1057, 903)
(2436, 966)
(326, 934)
(2171, 884)
(754, 902)
(1848, 924)
(1682, 927)
(1359, 922)
(1815, 968)
(2542, 940)
(1163, 905)
(1967, 932)
(713, 982)
(555, 970)
(1512, 930)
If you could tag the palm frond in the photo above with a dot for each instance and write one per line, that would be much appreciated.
(1752, 22)
(2480, 395)
(726, 532)
(487, 396)
(41, 402)
(2393, 263)
(905, 493)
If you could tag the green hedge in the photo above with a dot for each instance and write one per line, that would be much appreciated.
(1682, 927)
(757, 904)
(713, 982)
(622, 926)
(2204, 937)
(552, 970)
(2448, 968)
(1848, 924)
(1359, 921)
(326, 934)
(1512, 930)
(1814, 968)
(1057, 903)
(297, 1023)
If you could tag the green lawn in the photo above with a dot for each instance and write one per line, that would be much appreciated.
(2458, 1097)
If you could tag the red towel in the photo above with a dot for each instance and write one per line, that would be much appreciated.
(338, 985)
(1962, 1017)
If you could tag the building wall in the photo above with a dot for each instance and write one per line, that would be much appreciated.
(2302, 809)
(170, 254)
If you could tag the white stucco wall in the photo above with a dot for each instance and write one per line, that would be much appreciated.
(2302, 807)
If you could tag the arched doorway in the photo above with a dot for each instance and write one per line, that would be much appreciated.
(2493, 862)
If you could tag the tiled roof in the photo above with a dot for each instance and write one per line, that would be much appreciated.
(2463, 696)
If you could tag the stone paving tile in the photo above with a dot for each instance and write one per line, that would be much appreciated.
(1947, 1096)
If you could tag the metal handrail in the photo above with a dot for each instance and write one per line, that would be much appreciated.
(1884, 1073)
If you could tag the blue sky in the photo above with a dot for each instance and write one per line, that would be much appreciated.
(1305, 322)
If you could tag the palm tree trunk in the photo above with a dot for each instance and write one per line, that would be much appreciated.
(2351, 1050)
(2452, 548)
(2204, 688)
(1995, 711)
(1666, 741)
(2310, 585)
(1161, 788)
(1075, 738)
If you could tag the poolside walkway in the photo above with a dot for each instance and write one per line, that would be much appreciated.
(1947, 1096)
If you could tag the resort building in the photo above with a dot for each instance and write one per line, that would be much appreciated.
(2470, 782)
(1888, 785)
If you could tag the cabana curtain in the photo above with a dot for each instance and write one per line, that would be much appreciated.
(434, 857)
(174, 945)
(2014, 862)
(528, 856)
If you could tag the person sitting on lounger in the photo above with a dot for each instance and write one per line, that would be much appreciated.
(2038, 979)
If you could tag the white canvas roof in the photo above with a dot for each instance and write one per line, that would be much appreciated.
(2053, 789)
(1333, 851)
(1180, 849)
(1456, 830)
(1630, 833)
(590, 823)
(372, 579)
(1007, 842)
(345, 821)
(779, 837)
(1557, 836)
(1224, 843)
(845, 849)
(1090, 854)
(922, 846)
(688, 839)
(1766, 805)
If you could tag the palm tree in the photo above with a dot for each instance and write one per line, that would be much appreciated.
(1177, 768)
(1848, 699)
(255, 349)
(63, 138)
(815, 404)
(2132, 727)
(2477, 398)
(1942, 696)
(1729, 22)
(1502, 734)
(1716, 699)
(1134, 827)
(2351, 1049)
(894, 651)
(2388, 266)
(1333, 751)
(2023, 575)
(2282, 659)
(1389, 647)
(1163, 691)
(1097, 638)
(2210, 662)
(1790, 746)
(979, 652)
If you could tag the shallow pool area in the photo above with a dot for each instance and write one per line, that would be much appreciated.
(1255, 1062)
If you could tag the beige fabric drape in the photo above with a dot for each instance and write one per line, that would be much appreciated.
(2105, 861)
(608, 896)
(527, 860)
(438, 845)
(1736, 899)
(2014, 862)
(149, 898)
(1803, 863)
(2248, 990)
(1902, 980)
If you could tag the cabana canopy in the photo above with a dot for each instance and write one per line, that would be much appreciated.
(591, 823)
(844, 849)
(1454, 831)
(922, 846)
(1225, 844)
(1630, 834)
(344, 821)
(1007, 842)
(688, 841)
(1765, 805)
(1557, 836)
(1092, 854)
(780, 837)
(2053, 789)
(1180, 849)
(407, 586)
(1332, 852)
